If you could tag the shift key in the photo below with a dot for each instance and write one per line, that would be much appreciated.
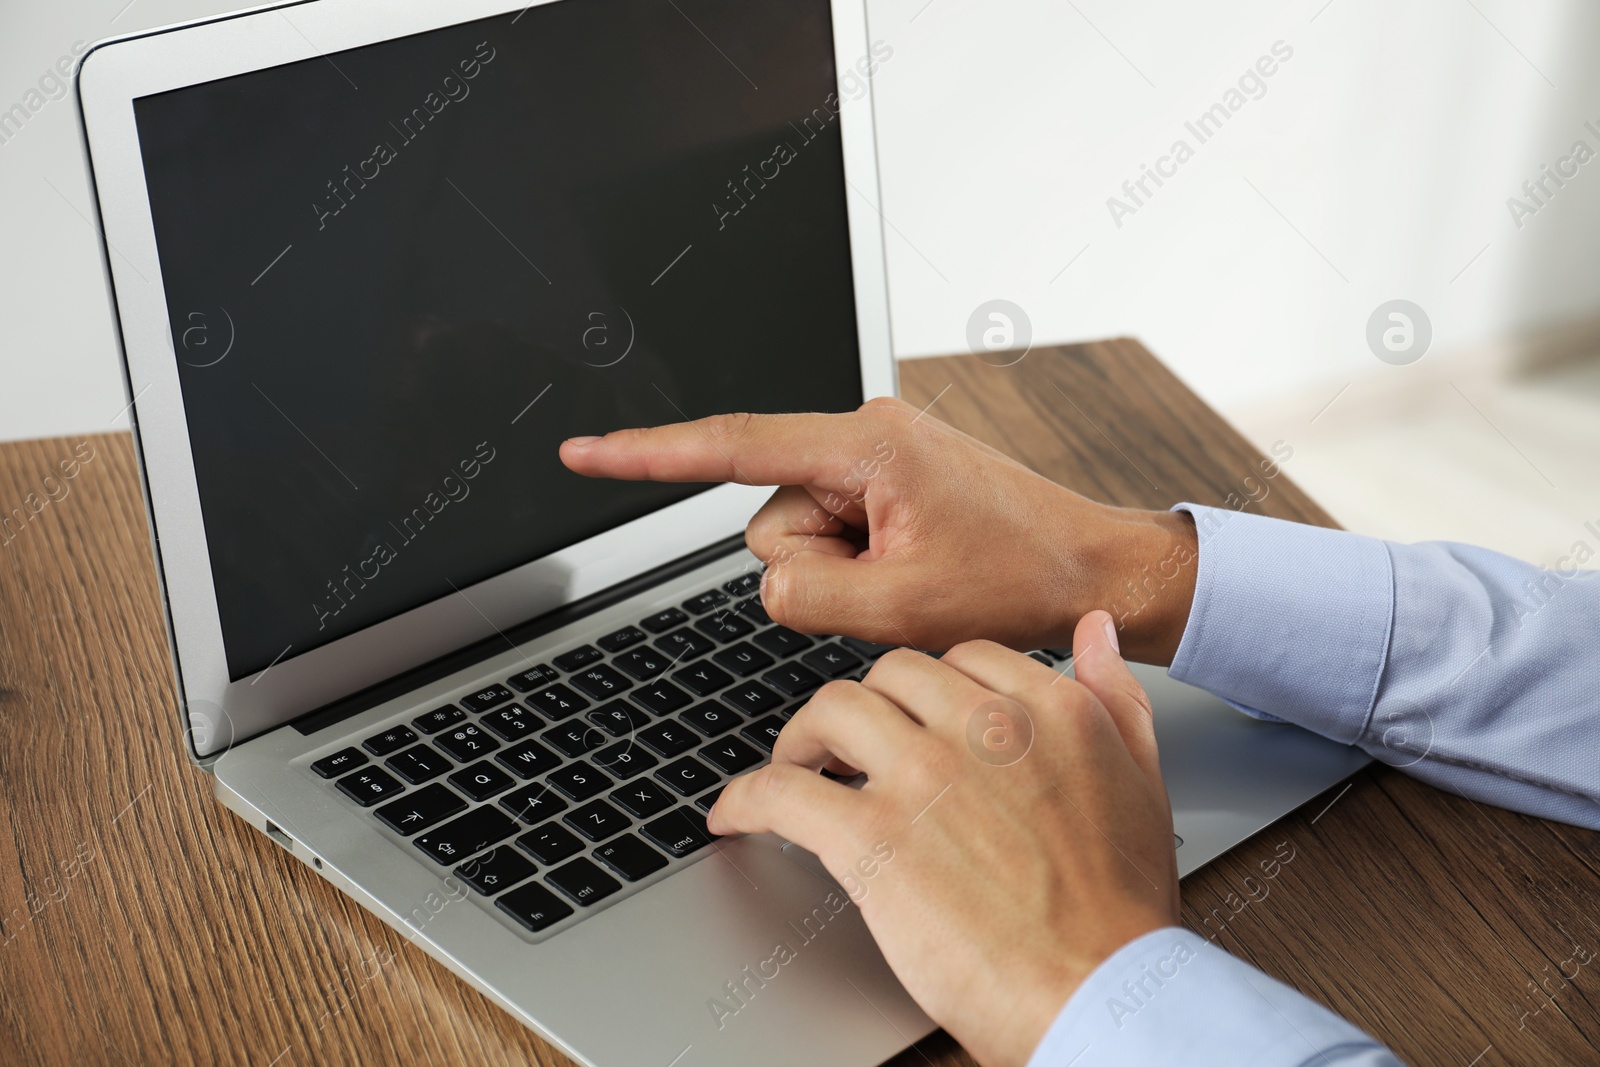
(468, 835)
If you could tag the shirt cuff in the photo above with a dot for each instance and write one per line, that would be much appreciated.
(1169, 997)
(1288, 620)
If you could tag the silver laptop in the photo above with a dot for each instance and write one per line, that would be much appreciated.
(371, 264)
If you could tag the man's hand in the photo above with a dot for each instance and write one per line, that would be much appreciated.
(894, 527)
(995, 870)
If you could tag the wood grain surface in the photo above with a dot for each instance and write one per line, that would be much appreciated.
(141, 923)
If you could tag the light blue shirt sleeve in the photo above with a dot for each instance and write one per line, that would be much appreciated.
(1173, 998)
(1472, 671)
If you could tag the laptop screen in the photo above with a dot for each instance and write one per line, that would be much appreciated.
(399, 276)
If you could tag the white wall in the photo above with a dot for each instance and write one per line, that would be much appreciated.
(1390, 141)
(1376, 165)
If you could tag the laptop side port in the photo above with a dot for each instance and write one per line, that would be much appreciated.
(280, 837)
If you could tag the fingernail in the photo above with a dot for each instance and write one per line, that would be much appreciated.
(581, 442)
(1111, 635)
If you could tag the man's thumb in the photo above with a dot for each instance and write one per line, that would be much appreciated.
(1098, 666)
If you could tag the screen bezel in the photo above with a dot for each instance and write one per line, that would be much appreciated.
(215, 711)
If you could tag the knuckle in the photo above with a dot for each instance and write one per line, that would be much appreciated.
(730, 427)
(1063, 693)
(758, 538)
(901, 657)
(894, 661)
(1135, 694)
(1071, 706)
(885, 403)
(769, 784)
(971, 650)
(780, 593)
(821, 705)
(887, 415)
(929, 769)
(764, 533)
(834, 693)
(735, 800)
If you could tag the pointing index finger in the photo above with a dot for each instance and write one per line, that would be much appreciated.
(807, 449)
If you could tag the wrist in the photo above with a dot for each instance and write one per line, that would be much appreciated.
(1037, 1003)
(1143, 566)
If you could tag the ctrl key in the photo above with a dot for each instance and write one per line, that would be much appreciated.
(583, 882)
(533, 906)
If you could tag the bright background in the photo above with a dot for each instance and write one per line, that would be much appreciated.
(1377, 165)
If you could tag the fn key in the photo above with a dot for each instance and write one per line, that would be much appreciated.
(533, 906)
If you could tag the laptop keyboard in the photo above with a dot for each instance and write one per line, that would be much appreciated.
(563, 784)
(555, 788)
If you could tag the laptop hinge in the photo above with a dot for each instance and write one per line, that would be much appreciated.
(448, 664)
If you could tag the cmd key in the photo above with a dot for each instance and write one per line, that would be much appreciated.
(679, 832)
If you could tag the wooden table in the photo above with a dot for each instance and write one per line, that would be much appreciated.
(142, 923)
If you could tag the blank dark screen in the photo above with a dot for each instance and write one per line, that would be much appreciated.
(399, 276)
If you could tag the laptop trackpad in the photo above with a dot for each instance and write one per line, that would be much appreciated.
(808, 862)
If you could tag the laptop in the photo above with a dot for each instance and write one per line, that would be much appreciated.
(370, 265)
